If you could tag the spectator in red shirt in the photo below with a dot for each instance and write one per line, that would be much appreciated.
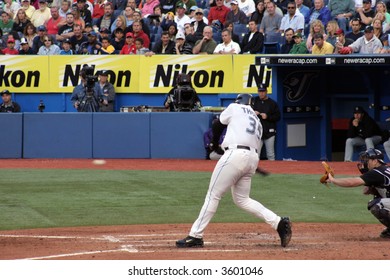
(139, 33)
(218, 13)
(129, 47)
(10, 49)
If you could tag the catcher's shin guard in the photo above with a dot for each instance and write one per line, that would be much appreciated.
(382, 214)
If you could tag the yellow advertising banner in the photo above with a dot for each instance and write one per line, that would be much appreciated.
(123, 71)
(248, 75)
(24, 73)
(209, 73)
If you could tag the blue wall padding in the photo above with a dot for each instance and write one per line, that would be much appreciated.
(124, 135)
(57, 135)
(11, 135)
(179, 134)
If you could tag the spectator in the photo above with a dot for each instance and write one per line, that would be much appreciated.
(139, 33)
(363, 130)
(66, 48)
(118, 41)
(365, 14)
(181, 18)
(86, 98)
(8, 106)
(48, 47)
(293, 19)
(341, 11)
(356, 33)
(247, 6)
(107, 19)
(92, 46)
(270, 25)
(148, 6)
(191, 36)
(207, 44)
(66, 31)
(217, 14)
(253, 41)
(119, 6)
(187, 4)
(156, 18)
(304, 10)
(331, 29)
(288, 41)
(24, 47)
(129, 47)
(41, 15)
(39, 39)
(30, 32)
(181, 46)
(315, 27)
(382, 9)
(172, 31)
(28, 8)
(11, 7)
(55, 22)
(128, 14)
(341, 41)
(98, 11)
(167, 21)
(277, 9)
(268, 112)
(65, 8)
(167, 6)
(319, 12)
(228, 46)
(83, 11)
(144, 25)
(377, 26)
(20, 22)
(108, 91)
(120, 22)
(164, 46)
(77, 39)
(139, 45)
(6, 24)
(321, 46)
(367, 44)
(230, 26)
(10, 49)
(236, 15)
(258, 15)
(199, 23)
(105, 47)
(300, 46)
(77, 17)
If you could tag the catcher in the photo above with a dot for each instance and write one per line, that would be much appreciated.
(376, 181)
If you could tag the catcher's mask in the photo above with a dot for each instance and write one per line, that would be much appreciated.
(244, 99)
(367, 155)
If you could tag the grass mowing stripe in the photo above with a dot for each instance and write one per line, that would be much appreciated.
(31, 198)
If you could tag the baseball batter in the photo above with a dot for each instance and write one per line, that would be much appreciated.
(234, 170)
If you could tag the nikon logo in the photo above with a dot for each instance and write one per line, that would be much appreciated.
(18, 78)
(258, 75)
(119, 79)
(200, 79)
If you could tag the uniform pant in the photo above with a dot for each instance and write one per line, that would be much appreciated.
(370, 142)
(233, 171)
(269, 147)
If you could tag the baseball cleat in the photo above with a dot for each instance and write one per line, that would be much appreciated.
(189, 241)
(284, 230)
(385, 233)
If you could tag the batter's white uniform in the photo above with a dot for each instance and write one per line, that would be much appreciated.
(234, 170)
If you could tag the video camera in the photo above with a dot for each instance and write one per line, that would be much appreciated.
(90, 79)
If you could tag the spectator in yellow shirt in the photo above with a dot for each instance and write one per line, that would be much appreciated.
(106, 47)
(321, 46)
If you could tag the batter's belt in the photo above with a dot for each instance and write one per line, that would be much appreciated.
(232, 147)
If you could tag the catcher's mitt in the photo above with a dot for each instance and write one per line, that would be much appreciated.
(328, 170)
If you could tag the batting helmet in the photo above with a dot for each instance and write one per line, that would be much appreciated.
(244, 99)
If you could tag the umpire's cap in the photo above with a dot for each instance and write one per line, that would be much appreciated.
(244, 98)
(372, 154)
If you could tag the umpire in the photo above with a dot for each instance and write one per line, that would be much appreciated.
(269, 114)
(375, 179)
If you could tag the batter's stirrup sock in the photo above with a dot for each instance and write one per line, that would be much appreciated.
(189, 241)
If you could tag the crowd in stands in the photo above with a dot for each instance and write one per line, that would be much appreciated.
(149, 27)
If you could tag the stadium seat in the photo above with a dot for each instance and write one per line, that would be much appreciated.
(271, 48)
(240, 30)
(217, 36)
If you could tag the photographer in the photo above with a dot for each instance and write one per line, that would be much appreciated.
(108, 91)
(182, 97)
(87, 96)
(8, 106)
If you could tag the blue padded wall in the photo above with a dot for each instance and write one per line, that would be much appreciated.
(57, 135)
(179, 134)
(121, 135)
(11, 135)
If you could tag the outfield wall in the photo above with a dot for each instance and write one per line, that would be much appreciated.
(104, 135)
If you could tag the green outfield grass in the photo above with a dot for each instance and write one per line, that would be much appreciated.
(61, 198)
